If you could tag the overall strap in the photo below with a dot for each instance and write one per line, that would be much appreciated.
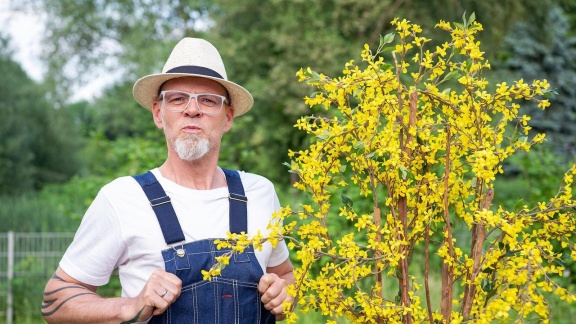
(238, 212)
(162, 207)
(167, 218)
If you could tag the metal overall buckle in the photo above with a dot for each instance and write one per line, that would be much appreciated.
(180, 251)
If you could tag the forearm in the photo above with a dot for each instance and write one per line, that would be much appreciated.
(288, 276)
(66, 302)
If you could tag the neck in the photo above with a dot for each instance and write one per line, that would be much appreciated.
(201, 174)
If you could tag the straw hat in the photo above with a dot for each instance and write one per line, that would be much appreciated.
(192, 57)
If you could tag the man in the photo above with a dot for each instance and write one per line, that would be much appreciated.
(158, 228)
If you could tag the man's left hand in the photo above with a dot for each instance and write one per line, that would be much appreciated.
(273, 290)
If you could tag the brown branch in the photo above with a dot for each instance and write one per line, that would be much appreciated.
(478, 238)
(402, 201)
(447, 270)
(377, 222)
(403, 210)
(426, 264)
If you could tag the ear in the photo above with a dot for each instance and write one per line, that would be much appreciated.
(229, 119)
(156, 114)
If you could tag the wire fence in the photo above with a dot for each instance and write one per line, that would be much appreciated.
(27, 260)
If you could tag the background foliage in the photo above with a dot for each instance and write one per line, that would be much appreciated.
(55, 154)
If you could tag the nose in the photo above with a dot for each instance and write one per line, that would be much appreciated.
(193, 109)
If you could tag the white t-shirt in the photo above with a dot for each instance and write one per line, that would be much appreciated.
(120, 229)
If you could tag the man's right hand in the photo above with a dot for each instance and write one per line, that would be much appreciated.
(161, 290)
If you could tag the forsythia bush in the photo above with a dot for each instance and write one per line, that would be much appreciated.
(425, 156)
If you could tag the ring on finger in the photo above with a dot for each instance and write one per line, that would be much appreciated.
(164, 293)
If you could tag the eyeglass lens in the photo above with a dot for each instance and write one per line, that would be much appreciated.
(179, 100)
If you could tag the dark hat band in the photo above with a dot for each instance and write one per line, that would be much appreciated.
(193, 69)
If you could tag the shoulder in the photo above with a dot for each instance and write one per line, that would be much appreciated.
(121, 184)
(122, 190)
(252, 181)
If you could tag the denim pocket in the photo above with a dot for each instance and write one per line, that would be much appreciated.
(217, 301)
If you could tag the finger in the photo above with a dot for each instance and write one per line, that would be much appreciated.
(170, 289)
(161, 303)
(172, 278)
(160, 291)
(275, 291)
(276, 300)
(165, 281)
(265, 281)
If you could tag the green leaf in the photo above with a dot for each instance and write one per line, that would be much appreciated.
(548, 94)
(371, 155)
(519, 205)
(358, 145)
(324, 135)
(289, 165)
(466, 65)
(343, 168)
(459, 26)
(389, 38)
(487, 285)
(472, 18)
(504, 246)
(385, 67)
(398, 298)
(559, 262)
(404, 172)
(452, 75)
(315, 77)
(347, 201)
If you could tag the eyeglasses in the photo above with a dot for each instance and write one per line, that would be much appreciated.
(178, 101)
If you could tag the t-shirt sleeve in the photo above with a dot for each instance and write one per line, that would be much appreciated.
(98, 247)
(279, 254)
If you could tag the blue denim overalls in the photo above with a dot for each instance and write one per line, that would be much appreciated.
(230, 298)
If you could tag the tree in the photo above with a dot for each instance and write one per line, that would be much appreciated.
(90, 38)
(30, 130)
(419, 136)
(549, 52)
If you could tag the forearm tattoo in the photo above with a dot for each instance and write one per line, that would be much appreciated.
(51, 305)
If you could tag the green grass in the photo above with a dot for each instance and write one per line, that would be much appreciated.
(32, 213)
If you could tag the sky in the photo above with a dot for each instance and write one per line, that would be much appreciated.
(26, 30)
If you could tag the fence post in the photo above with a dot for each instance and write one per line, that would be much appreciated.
(10, 276)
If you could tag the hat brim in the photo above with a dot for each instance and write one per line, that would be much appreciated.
(145, 90)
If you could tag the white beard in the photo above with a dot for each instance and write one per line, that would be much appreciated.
(191, 147)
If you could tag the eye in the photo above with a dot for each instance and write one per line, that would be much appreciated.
(209, 100)
(176, 98)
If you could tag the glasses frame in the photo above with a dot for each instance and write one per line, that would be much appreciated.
(224, 101)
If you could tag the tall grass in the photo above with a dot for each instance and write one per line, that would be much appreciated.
(55, 208)
(32, 212)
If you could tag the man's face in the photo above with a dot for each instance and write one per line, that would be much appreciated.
(192, 134)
